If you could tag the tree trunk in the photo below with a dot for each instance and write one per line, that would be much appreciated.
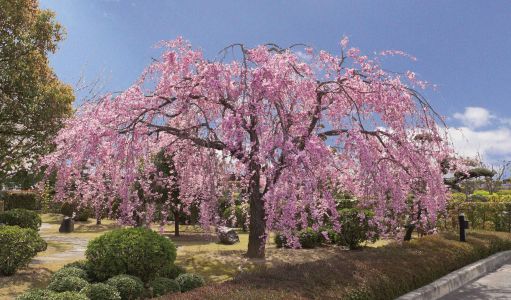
(409, 231)
(257, 226)
(176, 223)
(98, 221)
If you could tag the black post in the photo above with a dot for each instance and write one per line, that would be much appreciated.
(463, 224)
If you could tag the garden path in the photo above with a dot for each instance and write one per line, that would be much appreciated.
(75, 251)
(494, 285)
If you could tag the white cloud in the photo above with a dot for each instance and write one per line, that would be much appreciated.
(474, 117)
(492, 145)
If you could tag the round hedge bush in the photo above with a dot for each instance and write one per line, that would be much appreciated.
(171, 271)
(69, 283)
(100, 291)
(189, 281)
(161, 286)
(129, 287)
(21, 217)
(36, 294)
(17, 248)
(80, 264)
(134, 251)
(69, 271)
(68, 296)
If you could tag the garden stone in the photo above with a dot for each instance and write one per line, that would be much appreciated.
(227, 235)
(67, 225)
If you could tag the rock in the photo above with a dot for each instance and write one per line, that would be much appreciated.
(67, 225)
(227, 236)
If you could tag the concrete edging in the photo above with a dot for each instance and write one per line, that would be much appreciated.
(458, 278)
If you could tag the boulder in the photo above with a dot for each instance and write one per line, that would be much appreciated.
(67, 225)
(227, 236)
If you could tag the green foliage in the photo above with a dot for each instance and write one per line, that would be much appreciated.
(80, 264)
(34, 102)
(17, 247)
(309, 238)
(101, 291)
(171, 271)
(83, 214)
(189, 282)
(239, 212)
(20, 199)
(504, 193)
(22, 218)
(36, 294)
(481, 192)
(134, 251)
(280, 240)
(68, 283)
(68, 295)
(161, 286)
(481, 215)
(353, 230)
(69, 271)
(67, 209)
(129, 287)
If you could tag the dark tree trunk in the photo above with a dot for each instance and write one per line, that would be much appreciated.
(176, 223)
(257, 226)
(409, 230)
(98, 221)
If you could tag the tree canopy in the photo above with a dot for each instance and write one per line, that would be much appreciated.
(33, 102)
(293, 127)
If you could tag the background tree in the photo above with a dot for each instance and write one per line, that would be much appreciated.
(292, 129)
(33, 102)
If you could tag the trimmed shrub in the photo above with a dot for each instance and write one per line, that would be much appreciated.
(69, 283)
(353, 230)
(21, 199)
(17, 247)
(129, 287)
(36, 294)
(309, 238)
(280, 240)
(80, 264)
(67, 209)
(68, 296)
(189, 281)
(83, 215)
(22, 218)
(171, 271)
(101, 291)
(69, 271)
(161, 286)
(134, 251)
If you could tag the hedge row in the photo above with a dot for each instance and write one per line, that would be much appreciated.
(20, 199)
(495, 216)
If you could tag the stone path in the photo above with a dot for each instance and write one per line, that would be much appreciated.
(76, 252)
(494, 285)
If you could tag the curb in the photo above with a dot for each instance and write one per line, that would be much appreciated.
(458, 278)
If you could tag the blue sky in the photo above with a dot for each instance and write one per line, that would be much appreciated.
(462, 46)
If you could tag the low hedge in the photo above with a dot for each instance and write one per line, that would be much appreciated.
(21, 217)
(372, 273)
(481, 215)
(17, 248)
(21, 199)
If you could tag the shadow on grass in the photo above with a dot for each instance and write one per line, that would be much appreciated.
(24, 279)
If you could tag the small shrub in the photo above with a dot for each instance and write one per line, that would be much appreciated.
(69, 283)
(68, 296)
(309, 239)
(353, 230)
(69, 271)
(129, 287)
(17, 248)
(100, 291)
(22, 218)
(280, 240)
(83, 215)
(161, 286)
(189, 281)
(21, 199)
(67, 209)
(80, 264)
(171, 271)
(134, 251)
(36, 294)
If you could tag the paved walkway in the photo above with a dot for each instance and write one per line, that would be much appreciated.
(77, 251)
(494, 285)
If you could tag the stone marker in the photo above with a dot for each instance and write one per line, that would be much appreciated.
(227, 235)
(67, 225)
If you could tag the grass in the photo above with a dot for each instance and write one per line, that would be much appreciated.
(371, 273)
